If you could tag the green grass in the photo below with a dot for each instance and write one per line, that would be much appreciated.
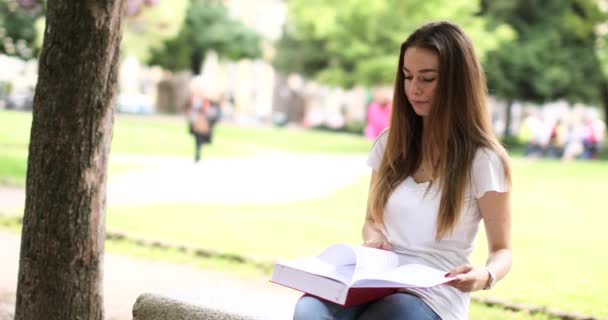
(559, 233)
(264, 231)
(479, 311)
(559, 237)
(14, 137)
(13, 166)
(168, 136)
(176, 256)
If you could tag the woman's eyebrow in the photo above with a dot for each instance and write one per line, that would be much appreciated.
(426, 70)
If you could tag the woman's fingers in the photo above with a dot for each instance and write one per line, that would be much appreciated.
(378, 244)
(385, 245)
(459, 270)
(467, 278)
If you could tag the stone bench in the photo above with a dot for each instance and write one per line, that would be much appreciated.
(156, 307)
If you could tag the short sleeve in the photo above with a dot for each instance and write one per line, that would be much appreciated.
(488, 173)
(375, 155)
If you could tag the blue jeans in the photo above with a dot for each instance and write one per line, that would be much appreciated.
(398, 306)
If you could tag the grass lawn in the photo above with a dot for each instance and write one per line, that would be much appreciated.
(168, 136)
(558, 227)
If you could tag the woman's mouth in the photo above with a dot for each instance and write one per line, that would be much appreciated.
(419, 102)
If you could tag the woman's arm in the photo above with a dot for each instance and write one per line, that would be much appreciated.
(495, 209)
(372, 235)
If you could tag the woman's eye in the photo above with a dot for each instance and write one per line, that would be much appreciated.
(409, 77)
(428, 79)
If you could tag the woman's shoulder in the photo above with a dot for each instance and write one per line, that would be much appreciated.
(495, 157)
(380, 140)
(490, 171)
(484, 153)
(487, 154)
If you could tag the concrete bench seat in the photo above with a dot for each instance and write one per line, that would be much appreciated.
(156, 307)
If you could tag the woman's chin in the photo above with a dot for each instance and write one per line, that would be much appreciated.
(423, 112)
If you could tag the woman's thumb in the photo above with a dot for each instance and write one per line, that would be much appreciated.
(385, 245)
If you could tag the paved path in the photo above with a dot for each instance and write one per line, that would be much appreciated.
(11, 199)
(274, 178)
(127, 277)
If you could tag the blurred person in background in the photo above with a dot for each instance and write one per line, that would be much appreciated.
(214, 113)
(200, 128)
(557, 137)
(530, 133)
(378, 113)
(438, 171)
(594, 133)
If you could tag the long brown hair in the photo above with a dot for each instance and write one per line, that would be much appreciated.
(457, 126)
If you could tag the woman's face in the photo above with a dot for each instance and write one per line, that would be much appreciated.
(421, 71)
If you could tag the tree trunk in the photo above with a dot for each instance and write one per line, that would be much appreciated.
(604, 94)
(62, 245)
(508, 119)
(195, 61)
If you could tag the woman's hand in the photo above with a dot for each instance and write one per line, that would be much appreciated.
(468, 278)
(373, 236)
(378, 244)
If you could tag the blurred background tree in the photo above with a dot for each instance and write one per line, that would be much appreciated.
(149, 24)
(553, 55)
(533, 51)
(207, 26)
(356, 41)
(22, 24)
(18, 33)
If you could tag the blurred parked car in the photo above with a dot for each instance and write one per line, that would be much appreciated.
(134, 103)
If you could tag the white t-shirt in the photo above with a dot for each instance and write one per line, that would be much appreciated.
(410, 221)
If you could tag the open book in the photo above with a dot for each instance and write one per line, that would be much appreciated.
(349, 274)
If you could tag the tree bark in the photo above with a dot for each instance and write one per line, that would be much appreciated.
(508, 115)
(62, 244)
(604, 94)
(196, 61)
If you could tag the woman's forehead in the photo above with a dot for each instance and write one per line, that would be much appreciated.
(418, 59)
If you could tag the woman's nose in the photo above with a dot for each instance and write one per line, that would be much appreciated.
(415, 87)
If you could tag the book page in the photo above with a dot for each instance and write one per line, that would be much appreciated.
(371, 260)
(336, 262)
(314, 265)
(409, 275)
(339, 254)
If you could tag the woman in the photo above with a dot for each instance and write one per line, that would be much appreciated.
(437, 172)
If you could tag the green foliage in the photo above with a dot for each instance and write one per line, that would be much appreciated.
(18, 32)
(357, 42)
(22, 25)
(151, 26)
(298, 55)
(207, 26)
(553, 56)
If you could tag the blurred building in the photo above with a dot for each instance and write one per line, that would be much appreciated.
(17, 82)
(262, 93)
(249, 83)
